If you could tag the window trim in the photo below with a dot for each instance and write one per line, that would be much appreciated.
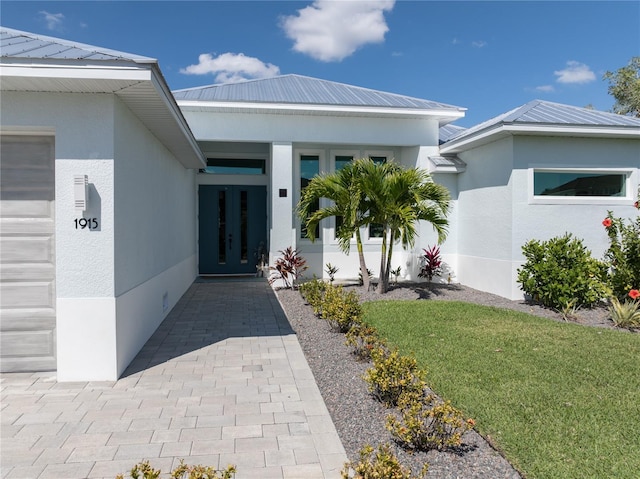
(581, 200)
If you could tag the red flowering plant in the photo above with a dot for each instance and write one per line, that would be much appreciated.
(634, 294)
(623, 255)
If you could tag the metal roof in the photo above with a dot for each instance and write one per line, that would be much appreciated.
(18, 44)
(539, 112)
(448, 131)
(297, 89)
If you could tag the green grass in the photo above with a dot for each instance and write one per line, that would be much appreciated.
(559, 400)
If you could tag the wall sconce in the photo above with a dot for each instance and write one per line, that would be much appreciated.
(81, 192)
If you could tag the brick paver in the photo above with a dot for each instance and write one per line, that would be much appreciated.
(223, 380)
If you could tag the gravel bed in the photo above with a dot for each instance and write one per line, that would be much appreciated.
(360, 419)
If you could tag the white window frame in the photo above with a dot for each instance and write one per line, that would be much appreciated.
(297, 154)
(583, 200)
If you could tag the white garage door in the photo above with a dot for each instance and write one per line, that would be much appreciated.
(27, 253)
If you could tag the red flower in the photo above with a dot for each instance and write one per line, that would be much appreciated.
(636, 205)
(634, 294)
(607, 222)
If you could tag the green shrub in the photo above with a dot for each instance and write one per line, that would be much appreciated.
(384, 465)
(363, 340)
(143, 470)
(313, 292)
(623, 255)
(560, 273)
(427, 423)
(625, 314)
(393, 375)
(341, 310)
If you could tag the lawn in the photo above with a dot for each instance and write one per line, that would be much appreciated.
(559, 400)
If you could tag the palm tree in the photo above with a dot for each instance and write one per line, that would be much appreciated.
(344, 190)
(398, 199)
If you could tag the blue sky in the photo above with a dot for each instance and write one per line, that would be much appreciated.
(488, 57)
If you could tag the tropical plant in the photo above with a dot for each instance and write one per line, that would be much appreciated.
(393, 375)
(288, 268)
(626, 314)
(431, 263)
(398, 199)
(623, 255)
(331, 270)
(343, 188)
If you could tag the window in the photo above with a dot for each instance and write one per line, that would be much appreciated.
(340, 161)
(229, 166)
(309, 167)
(563, 183)
(580, 186)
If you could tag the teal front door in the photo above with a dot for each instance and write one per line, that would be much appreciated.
(232, 228)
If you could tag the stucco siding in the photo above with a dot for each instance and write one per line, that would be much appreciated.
(485, 202)
(154, 205)
(211, 126)
(581, 217)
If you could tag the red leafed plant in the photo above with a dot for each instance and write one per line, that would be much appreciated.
(289, 267)
(431, 263)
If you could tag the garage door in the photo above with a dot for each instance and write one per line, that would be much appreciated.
(27, 261)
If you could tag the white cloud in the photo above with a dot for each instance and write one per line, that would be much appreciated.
(53, 20)
(575, 72)
(479, 43)
(331, 30)
(545, 88)
(231, 67)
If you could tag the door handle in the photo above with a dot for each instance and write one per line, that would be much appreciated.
(230, 240)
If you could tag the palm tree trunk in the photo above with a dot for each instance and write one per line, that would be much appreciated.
(389, 255)
(363, 266)
(382, 287)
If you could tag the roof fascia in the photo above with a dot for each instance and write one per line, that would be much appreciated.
(127, 72)
(496, 132)
(291, 108)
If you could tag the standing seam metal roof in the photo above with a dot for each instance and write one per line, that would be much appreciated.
(548, 113)
(298, 89)
(18, 44)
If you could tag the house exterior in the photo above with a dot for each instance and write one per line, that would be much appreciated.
(117, 193)
(537, 172)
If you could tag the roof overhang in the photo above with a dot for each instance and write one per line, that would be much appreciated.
(442, 115)
(139, 85)
(503, 130)
(446, 164)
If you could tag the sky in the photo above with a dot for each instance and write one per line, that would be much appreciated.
(488, 57)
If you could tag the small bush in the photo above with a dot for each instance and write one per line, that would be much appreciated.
(393, 375)
(341, 310)
(313, 292)
(427, 423)
(623, 255)
(143, 470)
(431, 263)
(384, 465)
(331, 271)
(288, 268)
(560, 273)
(363, 340)
(625, 314)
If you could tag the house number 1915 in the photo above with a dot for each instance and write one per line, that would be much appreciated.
(83, 223)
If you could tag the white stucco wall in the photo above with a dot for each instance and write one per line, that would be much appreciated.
(269, 128)
(155, 232)
(111, 280)
(498, 214)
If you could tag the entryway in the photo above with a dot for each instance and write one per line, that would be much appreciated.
(232, 228)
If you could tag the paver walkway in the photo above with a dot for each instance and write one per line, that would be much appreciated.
(222, 381)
